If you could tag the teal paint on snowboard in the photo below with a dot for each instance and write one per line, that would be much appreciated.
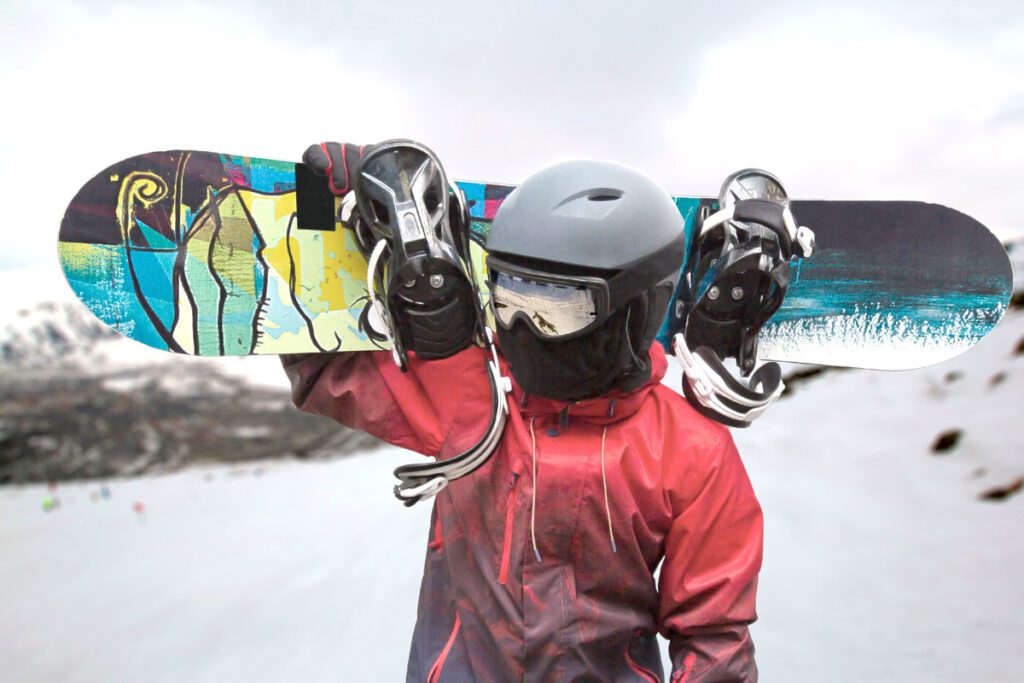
(891, 285)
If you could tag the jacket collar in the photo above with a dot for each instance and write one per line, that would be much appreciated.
(607, 408)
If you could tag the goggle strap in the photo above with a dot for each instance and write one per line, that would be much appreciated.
(628, 282)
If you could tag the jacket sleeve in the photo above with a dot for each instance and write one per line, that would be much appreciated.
(437, 408)
(708, 580)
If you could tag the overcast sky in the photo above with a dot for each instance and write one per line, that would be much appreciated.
(859, 102)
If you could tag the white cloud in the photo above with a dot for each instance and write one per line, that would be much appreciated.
(843, 106)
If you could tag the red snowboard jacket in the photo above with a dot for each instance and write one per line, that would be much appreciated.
(540, 565)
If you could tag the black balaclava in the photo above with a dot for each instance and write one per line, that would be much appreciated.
(579, 368)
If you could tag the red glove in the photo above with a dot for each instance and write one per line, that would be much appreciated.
(338, 161)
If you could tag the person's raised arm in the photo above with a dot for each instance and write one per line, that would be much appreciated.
(435, 392)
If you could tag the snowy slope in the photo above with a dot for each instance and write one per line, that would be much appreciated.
(306, 572)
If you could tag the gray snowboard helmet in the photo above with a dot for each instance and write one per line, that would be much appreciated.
(583, 258)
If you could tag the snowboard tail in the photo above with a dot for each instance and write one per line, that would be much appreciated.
(219, 255)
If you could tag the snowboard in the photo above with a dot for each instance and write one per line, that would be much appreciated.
(222, 255)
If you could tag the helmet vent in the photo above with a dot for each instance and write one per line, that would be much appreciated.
(594, 203)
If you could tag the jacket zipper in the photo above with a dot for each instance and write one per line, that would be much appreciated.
(435, 670)
(643, 672)
(506, 541)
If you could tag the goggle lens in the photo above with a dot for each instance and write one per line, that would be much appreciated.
(553, 310)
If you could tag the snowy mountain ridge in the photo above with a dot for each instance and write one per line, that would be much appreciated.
(80, 401)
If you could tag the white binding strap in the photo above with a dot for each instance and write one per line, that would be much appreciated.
(710, 388)
(459, 466)
(429, 488)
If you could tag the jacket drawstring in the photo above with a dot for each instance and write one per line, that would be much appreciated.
(533, 498)
(604, 483)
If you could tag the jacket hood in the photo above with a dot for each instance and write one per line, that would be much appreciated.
(609, 407)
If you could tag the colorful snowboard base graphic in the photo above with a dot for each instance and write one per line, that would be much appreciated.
(219, 255)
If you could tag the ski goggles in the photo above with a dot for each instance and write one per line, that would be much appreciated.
(562, 306)
(554, 306)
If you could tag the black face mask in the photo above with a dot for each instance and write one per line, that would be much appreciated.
(576, 369)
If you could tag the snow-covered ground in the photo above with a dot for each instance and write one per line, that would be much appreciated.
(303, 572)
(882, 562)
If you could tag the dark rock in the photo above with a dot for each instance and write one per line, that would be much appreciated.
(997, 379)
(1000, 493)
(798, 377)
(946, 441)
(953, 376)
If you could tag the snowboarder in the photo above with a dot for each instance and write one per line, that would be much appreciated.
(540, 565)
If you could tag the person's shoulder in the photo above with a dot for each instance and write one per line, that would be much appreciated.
(685, 420)
(695, 447)
(471, 357)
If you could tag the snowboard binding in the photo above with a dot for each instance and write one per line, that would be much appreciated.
(412, 226)
(739, 273)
